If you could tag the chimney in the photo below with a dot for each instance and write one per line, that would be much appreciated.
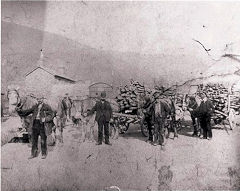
(40, 61)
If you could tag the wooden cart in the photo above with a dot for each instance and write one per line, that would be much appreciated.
(123, 122)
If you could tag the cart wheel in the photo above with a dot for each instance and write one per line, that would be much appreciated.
(144, 129)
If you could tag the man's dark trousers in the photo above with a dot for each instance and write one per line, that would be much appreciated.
(205, 123)
(195, 125)
(149, 126)
(159, 131)
(38, 129)
(102, 123)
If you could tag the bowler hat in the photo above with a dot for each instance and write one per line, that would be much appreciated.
(103, 94)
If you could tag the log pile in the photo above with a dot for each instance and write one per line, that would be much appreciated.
(218, 94)
(236, 89)
(128, 97)
(234, 101)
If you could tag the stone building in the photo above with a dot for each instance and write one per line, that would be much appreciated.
(96, 89)
(40, 81)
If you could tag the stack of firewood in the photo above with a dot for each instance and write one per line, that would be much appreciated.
(235, 98)
(216, 91)
(128, 97)
(218, 94)
(236, 89)
(235, 103)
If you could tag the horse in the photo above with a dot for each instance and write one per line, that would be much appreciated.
(84, 124)
(60, 118)
(27, 102)
(165, 117)
(24, 102)
(114, 123)
(13, 98)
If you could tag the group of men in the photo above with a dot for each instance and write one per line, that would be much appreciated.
(157, 114)
(199, 113)
(43, 120)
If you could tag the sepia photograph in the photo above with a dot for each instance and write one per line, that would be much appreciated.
(120, 95)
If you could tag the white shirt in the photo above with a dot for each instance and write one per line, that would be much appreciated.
(39, 109)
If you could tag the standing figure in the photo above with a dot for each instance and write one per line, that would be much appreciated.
(165, 119)
(114, 122)
(192, 105)
(103, 111)
(42, 125)
(204, 112)
(148, 111)
(60, 120)
(67, 104)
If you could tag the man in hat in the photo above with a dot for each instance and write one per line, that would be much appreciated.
(192, 105)
(103, 111)
(204, 113)
(67, 104)
(148, 110)
(42, 122)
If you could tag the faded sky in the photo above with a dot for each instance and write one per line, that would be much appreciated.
(142, 27)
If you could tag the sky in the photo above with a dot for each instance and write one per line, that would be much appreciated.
(160, 28)
(141, 27)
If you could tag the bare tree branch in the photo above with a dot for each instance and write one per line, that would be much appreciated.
(232, 56)
(207, 50)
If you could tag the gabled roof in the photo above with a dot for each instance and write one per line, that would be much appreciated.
(52, 73)
(96, 83)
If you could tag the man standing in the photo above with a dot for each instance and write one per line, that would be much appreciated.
(148, 110)
(192, 105)
(67, 104)
(204, 112)
(60, 120)
(42, 124)
(103, 111)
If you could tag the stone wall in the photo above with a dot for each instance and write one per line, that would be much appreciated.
(39, 82)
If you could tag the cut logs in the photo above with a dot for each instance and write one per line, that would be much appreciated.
(128, 98)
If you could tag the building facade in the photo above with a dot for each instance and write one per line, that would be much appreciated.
(40, 81)
(96, 89)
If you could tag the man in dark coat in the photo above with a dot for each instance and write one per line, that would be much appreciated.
(192, 105)
(148, 110)
(103, 111)
(67, 105)
(42, 125)
(204, 113)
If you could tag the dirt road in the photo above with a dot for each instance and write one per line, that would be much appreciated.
(186, 163)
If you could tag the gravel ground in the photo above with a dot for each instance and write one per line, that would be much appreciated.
(186, 163)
